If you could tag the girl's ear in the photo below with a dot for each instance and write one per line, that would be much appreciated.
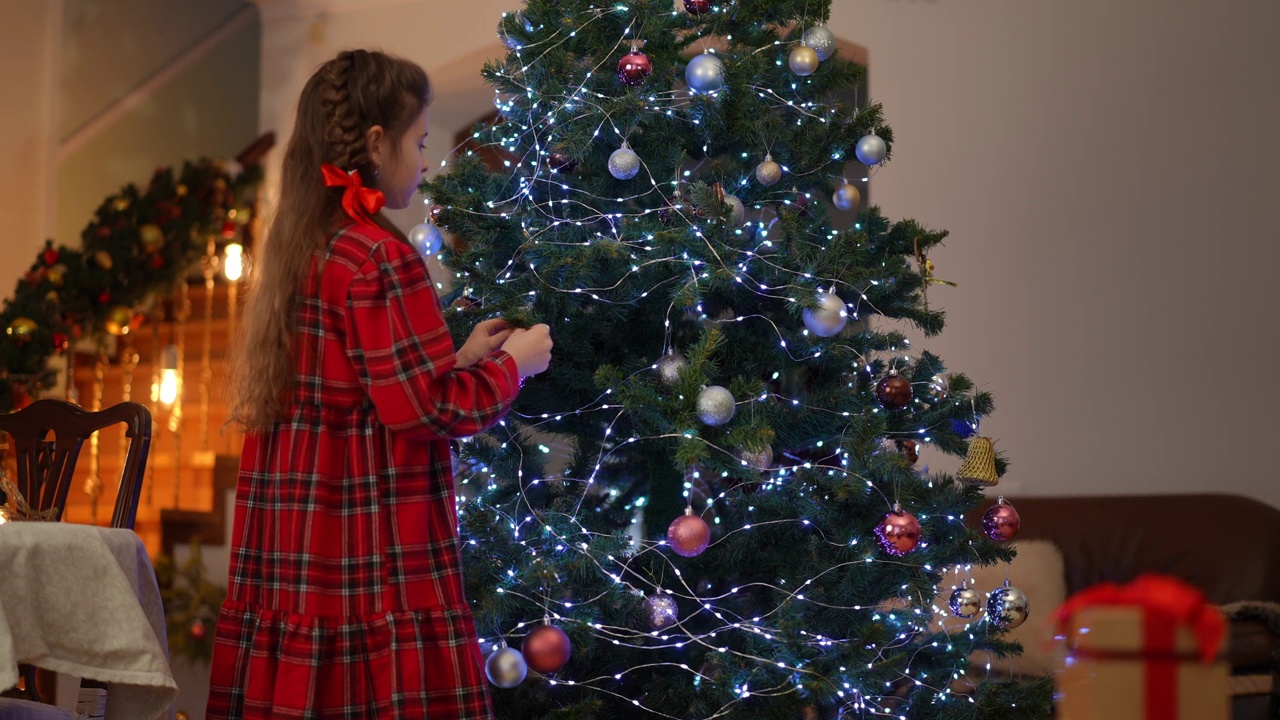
(376, 143)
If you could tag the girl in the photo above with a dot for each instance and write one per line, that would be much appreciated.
(345, 596)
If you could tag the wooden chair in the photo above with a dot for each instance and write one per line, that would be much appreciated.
(46, 466)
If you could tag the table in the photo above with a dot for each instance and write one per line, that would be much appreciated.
(83, 600)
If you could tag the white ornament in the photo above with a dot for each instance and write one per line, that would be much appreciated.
(768, 172)
(506, 668)
(737, 212)
(426, 239)
(715, 405)
(821, 40)
(871, 149)
(624, 163)
(830, 316)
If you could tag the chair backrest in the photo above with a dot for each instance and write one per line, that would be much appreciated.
(46, 466)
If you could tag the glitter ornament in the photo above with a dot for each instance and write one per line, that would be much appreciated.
(1001, 521)
(871, 149)
(506, 667)
(898, 532)
(758, 459)
(634, 68)
(822, 40)
(624, 163)
(737, 212)
(828, 318)
(768, 172)
(846, 197)
(669, 368)
(803, 61)
(688, 535)
(546, 649)
(704, 73)
(894, 391)
(715, 405)
(1008, 607)
(426, 238)
(660, 611)
(939, 388)
(965, 602)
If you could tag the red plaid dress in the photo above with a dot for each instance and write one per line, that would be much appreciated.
(345, 597)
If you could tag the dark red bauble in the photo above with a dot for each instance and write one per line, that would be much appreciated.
(697, 7)
(634, 68)
(909, 449)
(198, 630)
(61, 342)
(229, 229)
(50, 256)
(562, 163)
(1001, 521)
(894, 392)
(898, 532)
(546, 649)
(104, 297)
(157, 261)
(688, 535)
(435, 214)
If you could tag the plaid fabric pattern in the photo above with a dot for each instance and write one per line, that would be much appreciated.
(345, 597)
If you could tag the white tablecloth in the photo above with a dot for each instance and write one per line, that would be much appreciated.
(83, 600)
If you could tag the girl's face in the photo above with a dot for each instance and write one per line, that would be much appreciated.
(402, 172)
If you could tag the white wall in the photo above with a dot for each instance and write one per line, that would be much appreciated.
(30, 38)
(1103, 167)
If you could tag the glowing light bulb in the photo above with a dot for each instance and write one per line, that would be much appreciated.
(233, 262)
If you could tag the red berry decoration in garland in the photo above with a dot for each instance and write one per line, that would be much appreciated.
(50, 256)
(634, 68)
(61, 342)
(898, 532)
(894, 392)
(546, 649)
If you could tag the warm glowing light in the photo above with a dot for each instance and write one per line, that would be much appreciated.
(233, 262)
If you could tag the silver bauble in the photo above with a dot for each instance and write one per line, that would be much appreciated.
(939, 388)
(624, 163)
(1008, 607)
(705, 73)
(846, 197)
(757, 459)
(660, 611)
(829, 317)
(715, 405)
(737, 212)
(871, 149)
(669, 368)
(506, 668)
(803, 61)
(426, 239)
(768, 172)
(822, 40)
(965, 602)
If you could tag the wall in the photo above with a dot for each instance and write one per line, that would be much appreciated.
(1104, 169)
(30, 38)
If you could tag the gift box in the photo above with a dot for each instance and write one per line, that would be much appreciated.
(1144, 651)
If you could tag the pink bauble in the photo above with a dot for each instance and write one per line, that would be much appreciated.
(634, 68)
(1001, 521)
(688, 535)
(546, 649)
(898, 532)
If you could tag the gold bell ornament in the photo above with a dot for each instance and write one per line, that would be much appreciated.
(979, 466)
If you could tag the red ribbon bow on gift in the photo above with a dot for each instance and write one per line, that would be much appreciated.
(1166, 603)
(359, 202)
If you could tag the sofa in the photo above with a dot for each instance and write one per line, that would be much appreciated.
(1228, 546)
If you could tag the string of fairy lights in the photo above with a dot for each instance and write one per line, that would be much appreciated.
(534, 174)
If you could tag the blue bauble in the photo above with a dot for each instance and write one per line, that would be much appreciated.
(965, 428)
(705, 73)
(426, 238)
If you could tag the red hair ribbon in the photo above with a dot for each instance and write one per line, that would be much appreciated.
(359, 202)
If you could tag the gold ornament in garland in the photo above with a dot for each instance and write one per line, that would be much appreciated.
(152, 237)
(119, 320)
(104, 259)
(21, 329)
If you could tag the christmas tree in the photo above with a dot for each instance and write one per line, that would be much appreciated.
(709, 505)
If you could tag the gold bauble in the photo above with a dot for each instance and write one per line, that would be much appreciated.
(804, 61)
(152, 237)
(119, 319)
(181, 190)
(21, 328)
(120, 204)
(103, 258)
(56, 275)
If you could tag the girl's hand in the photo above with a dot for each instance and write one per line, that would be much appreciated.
(531, 349)
(486, 338)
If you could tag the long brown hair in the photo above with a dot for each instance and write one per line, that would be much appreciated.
(343, 99)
